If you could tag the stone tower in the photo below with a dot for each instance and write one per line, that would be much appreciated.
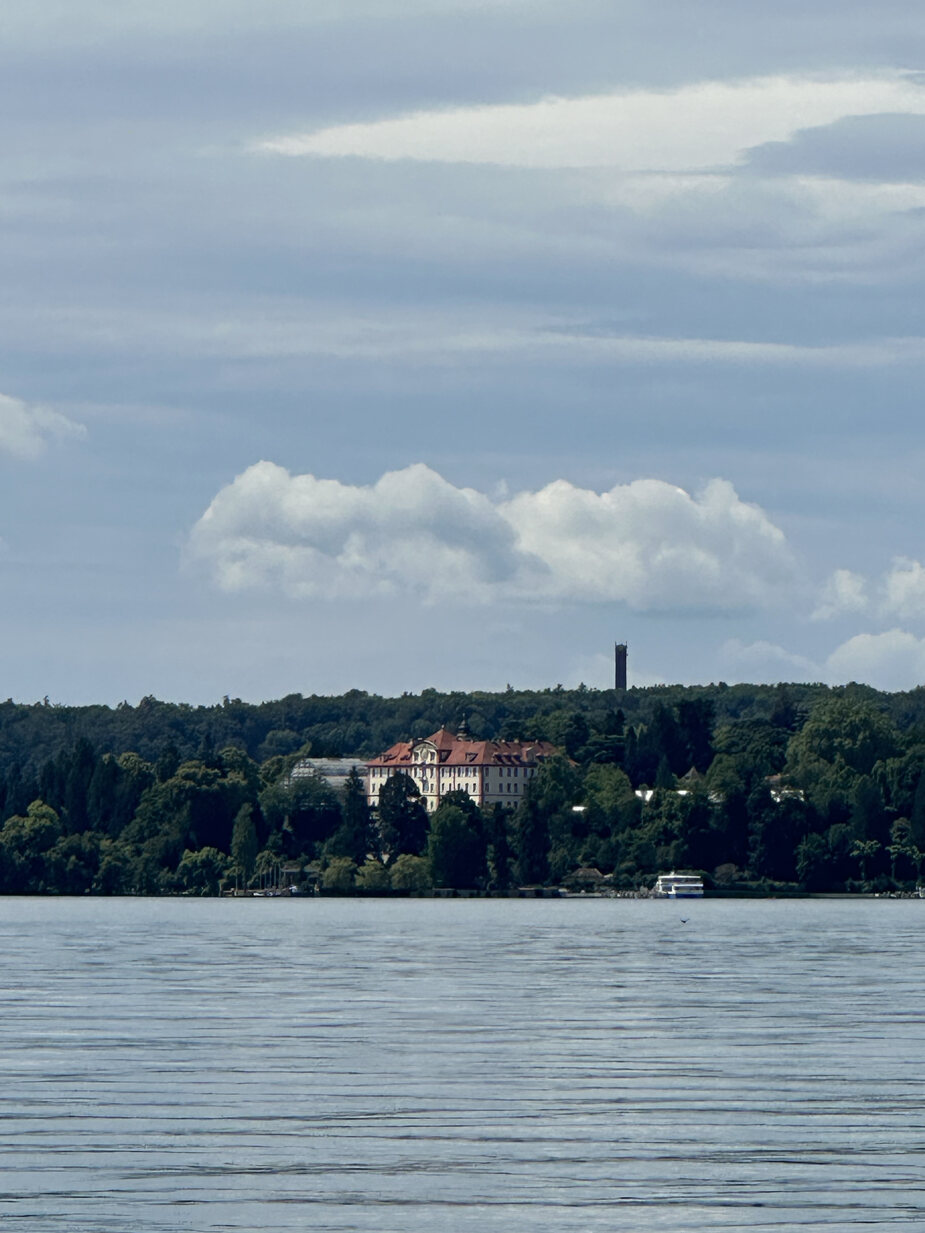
(619, 658)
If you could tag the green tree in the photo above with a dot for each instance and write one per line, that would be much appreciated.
(661, 738)
(402, 817)
(194, 809)
(758, 747)
(544, 822)
(813, 863)
(340, 875)
(839, 840)
(455, 849)
(115, 791)
(202, 872)
(901, 849)
(72, 864)
(775, 831)
(863, 850)
(279, 742)
(917, 816)
(244, 842)
(373, 876)
(25, 842)
(411, 873)
(640, 855)
(80, 770)
(663, 776)
(609, 793)
(901, 778)
(115, 874)
(304, 809)
(857, 732)
(607, 742)
(530, 842)
(830, 789)
(167, 763)
(696, 717)
(498, 854)
(268, 864)
(354, 837)
(868, 813)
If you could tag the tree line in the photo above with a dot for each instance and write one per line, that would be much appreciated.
(756, 787)
(360, 724)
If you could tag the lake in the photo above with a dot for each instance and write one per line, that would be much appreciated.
(462, 1065)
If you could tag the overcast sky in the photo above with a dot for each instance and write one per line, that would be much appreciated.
(388, 344)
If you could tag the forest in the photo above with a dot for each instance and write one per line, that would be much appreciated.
(762, 789)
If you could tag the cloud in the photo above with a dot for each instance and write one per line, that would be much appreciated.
(885, 148)
(900, 593)
(904, 590)
(694, 127)
(844, 592)
(277, 329)
(750, 179)
(647, 544)
(654, 546)
(766, 661)
(893, 660)
(323, 538)
(25, 429)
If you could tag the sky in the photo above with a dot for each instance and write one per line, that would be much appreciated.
(404, 344)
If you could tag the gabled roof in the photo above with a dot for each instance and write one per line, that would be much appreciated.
(454, 750)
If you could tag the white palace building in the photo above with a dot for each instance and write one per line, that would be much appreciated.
(491, 772)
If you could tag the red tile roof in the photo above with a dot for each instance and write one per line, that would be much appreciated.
(455, 750)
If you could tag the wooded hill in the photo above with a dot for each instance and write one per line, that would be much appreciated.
(790, 785)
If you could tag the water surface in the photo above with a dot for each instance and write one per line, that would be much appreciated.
(461, 1065)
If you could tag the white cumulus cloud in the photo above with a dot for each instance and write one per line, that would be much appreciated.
(892, 660)
(694, 127)
(648, 544)
(653, 545)
(900, 593)
(321, 537)
(844, 592)
(904, 590)
(25, 429)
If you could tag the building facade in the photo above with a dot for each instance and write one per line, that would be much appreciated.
(491, 772)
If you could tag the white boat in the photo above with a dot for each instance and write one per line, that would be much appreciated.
(679, 886)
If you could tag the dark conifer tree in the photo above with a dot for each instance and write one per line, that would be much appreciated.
(82, 764)
(167, 763)
(696, 717)
(354, 837)
(498, 849)
(402, 817)
(530, 842)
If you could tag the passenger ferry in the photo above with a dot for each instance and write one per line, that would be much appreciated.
(679, 886)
